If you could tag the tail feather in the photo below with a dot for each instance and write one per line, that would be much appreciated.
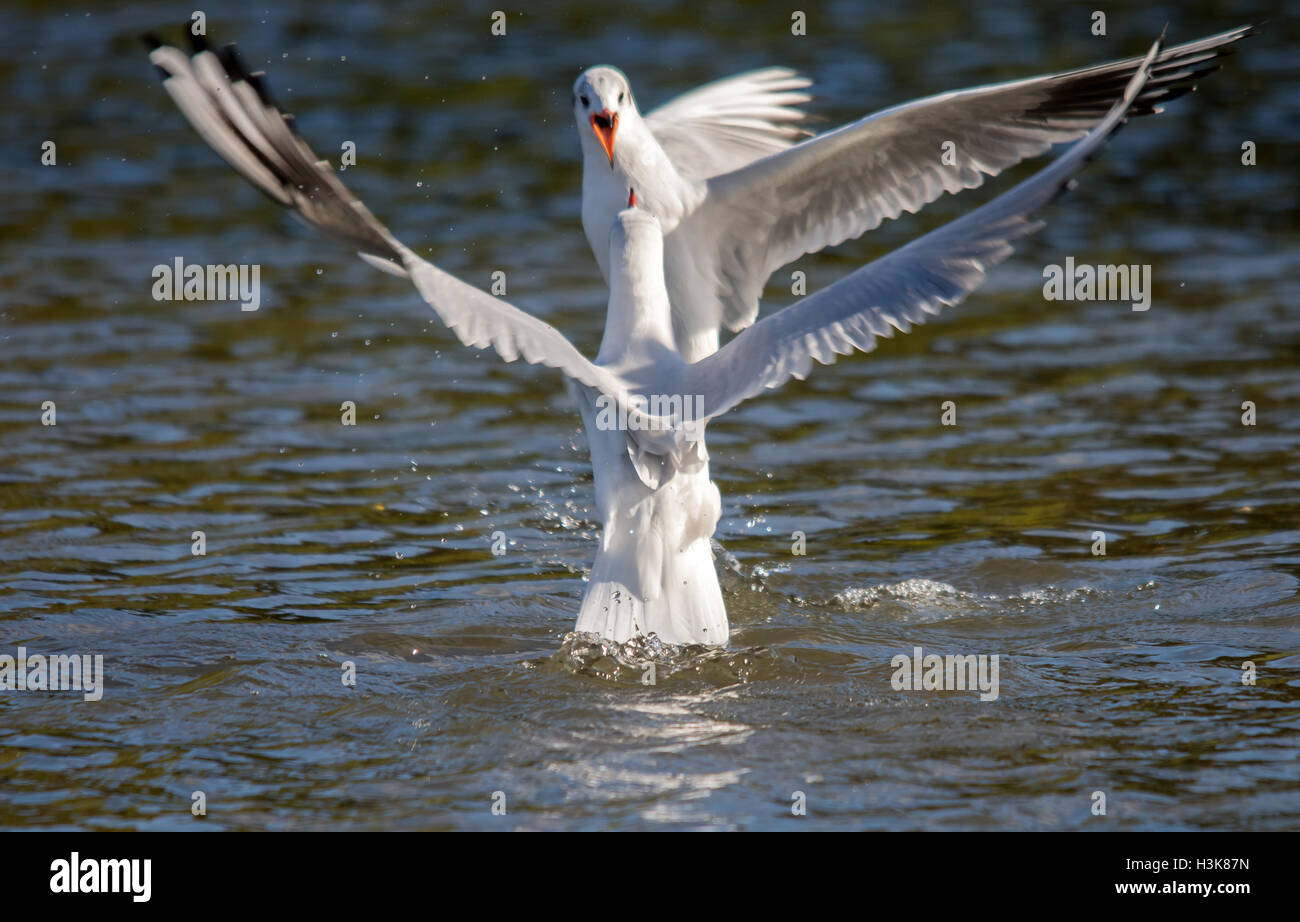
(654, 570)
(674, 594)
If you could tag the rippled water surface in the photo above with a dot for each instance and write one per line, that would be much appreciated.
(327, 544)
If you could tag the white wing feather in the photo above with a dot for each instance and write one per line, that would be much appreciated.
(843, 183)
(232, 112)
(729, 123)
(896, 291)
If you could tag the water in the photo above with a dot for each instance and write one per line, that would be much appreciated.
(326, 544)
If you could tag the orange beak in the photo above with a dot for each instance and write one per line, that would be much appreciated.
(605, 124)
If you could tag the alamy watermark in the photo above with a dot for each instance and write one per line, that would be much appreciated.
(652, 413)
(1083, 282)
(59, 672)
(236, 282)
(932, 672)
(75, 874)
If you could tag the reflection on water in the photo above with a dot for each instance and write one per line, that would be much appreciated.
(371, 545)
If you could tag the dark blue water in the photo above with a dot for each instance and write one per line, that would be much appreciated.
(1120, 674)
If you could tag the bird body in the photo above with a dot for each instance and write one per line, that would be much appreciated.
(654, 571)
(742, 189)
(647, 398)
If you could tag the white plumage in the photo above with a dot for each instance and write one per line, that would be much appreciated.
(739, 198)
(654, 570)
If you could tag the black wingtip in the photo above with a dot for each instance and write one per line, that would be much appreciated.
(151, 41)
(258, 82)
(198, 41)
(229, 57)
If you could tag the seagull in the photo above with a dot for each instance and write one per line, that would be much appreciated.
(644, 404)
(741, 189)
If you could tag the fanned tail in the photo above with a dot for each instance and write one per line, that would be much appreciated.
(640, 586)
(654, 571)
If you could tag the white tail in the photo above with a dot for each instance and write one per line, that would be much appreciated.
(654, 570)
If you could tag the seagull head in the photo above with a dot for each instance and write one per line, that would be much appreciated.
(600, 95)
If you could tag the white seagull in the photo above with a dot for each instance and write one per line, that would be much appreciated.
(644, 404)
(737, 201)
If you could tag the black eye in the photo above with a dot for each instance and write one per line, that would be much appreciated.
(585, 102)
(620, 96)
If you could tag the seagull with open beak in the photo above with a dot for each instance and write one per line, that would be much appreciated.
(741, 189)
(605, 124)
(653, 571)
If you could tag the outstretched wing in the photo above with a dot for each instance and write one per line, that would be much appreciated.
(729, 123)
(233, 112)
(898, 290)
(841, 184)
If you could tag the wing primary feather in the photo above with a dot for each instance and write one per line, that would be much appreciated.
(901, 289)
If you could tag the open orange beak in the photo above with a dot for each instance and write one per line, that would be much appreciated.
(605, 124)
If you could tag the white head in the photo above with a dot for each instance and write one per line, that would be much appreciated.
(600, 96)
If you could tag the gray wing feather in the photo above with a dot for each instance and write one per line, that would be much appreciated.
(729, 123)
(905, 287)
(233, 112)
(843, 183)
